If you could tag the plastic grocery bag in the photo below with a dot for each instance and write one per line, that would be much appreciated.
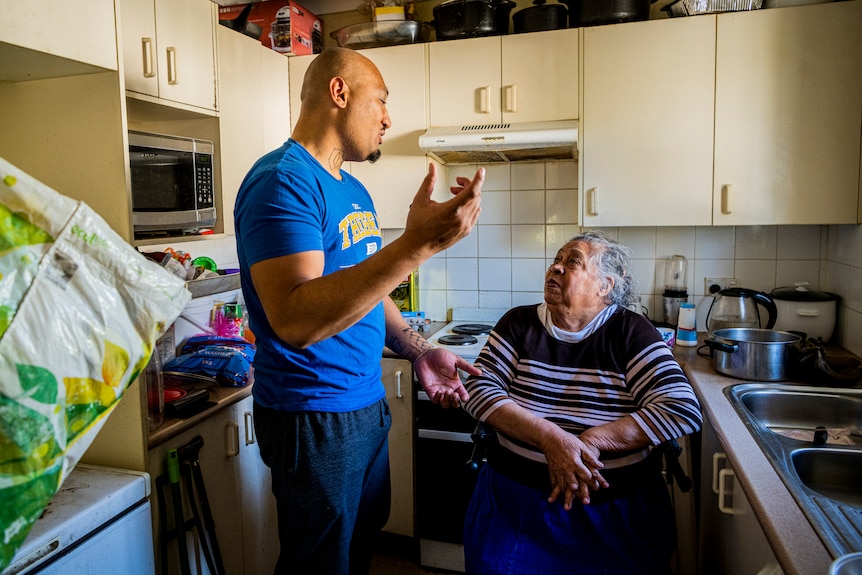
(80, 311)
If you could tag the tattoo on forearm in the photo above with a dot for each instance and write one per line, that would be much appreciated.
(414, 346)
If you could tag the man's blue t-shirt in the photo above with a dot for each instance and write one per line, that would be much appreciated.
(288, 203)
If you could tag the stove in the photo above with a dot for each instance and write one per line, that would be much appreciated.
(444, 446)
(468, 331)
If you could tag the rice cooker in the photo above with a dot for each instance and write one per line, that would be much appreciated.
(801, 308)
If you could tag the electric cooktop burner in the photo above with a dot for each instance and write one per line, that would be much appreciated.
(472, 329)
(457, 340)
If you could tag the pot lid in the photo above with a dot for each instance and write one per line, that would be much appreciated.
(801, 292)
(540, 6)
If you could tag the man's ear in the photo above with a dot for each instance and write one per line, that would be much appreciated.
(338, 91)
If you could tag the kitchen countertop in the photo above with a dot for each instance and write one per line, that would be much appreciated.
(794, 542)
(173, 426)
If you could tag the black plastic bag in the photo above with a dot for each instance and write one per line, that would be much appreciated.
(817, 368)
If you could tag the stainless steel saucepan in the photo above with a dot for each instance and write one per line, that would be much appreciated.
(755, 354)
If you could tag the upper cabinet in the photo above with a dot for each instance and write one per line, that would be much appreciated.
(645, 135)
(254, 110)
(39, 41)
(394, 179)
(513, 78)
(169, 50)
(788, 115)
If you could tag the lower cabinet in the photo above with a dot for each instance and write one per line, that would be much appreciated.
(237, 485)
(731, 539)
(398, 381)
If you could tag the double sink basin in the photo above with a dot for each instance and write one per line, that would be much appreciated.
(822, 468)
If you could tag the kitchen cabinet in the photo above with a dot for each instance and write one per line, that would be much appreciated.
(513, 78)
(731, 539)
(254, 112)
(398, 381)
(40, 41)
(394, 179)
(646, 129)
(238, 487)
(169, 51)
(788, 116)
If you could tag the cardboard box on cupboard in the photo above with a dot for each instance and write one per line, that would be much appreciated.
(287, 26)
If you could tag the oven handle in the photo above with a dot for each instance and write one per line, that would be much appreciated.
(445, 435)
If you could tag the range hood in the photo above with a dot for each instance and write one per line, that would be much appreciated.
(490, 143)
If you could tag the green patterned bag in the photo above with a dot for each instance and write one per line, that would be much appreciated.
(80, 311)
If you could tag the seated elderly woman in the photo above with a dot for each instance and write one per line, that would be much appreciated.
(580, 391)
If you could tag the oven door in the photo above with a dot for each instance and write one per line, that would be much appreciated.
(444, 478)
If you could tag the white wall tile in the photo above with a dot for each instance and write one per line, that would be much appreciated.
(526, 298)
(461, 171)
(528, 241)
(709, 269)
(432, 273)
(495, 299)
(466, 248)
(641, 241)
(462, 274)
(756, 274)
(528, 207)
(496, 208)
(456, 298)
(433, 303)
(788, 272)
(713, 243)
(528, 176)
(755, 242)
(851, 331)
(838, 280)
(561, 175)
(495, 241)
(798, 242)
(562, 206)
(528, 275)
(556, 236)
(497, 177)
(495, 274)
(675, 240)
(643, 272)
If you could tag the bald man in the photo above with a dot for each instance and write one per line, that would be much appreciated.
(316, 281)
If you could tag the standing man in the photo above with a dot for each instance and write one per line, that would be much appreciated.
(316, 283)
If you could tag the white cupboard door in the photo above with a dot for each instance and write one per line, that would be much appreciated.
(298, 65)
(540, 76)
(398, 381)
(464, 78)
(186, 51)
(646, 130)
(394, 179)
(140, 51)
(275, 95)
(259, 515)
(788, 115)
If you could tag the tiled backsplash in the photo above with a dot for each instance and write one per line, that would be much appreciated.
(529, 210)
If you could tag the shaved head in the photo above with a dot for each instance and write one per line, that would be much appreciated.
(331, 63)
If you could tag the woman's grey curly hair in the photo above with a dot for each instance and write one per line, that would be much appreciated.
(611, 260)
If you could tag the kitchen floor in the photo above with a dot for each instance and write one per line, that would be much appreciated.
(396, 555)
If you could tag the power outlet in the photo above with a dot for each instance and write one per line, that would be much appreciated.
(722, 283)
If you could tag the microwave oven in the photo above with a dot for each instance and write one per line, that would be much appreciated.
(172, 184)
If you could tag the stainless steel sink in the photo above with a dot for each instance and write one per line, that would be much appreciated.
(822, 469)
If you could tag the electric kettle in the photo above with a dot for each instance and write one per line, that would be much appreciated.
(737, 307)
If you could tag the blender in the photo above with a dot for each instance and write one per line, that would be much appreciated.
(675, 289)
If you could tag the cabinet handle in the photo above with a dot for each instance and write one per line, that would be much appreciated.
(485, 100)
(147, 53)
(398, 384)
(716, 457)
(726, 199)
(724, 492)
(172, 66)
(232, 439)
(511, 96)
(249, 428)
(593, 202)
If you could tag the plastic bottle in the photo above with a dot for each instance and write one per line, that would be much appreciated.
(686, 333)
